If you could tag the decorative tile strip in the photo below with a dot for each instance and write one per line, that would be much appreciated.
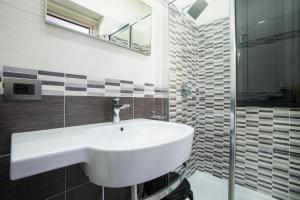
(75, 85)
(53, 83)
(57, 83)
(95, 88)
(14, 72)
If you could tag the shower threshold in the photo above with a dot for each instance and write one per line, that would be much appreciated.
(208, 187)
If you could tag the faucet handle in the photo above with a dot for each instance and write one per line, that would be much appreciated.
(116, 100)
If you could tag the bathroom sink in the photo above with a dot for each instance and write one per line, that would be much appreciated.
(112, 155)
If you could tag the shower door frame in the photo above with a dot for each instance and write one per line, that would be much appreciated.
(233, 91)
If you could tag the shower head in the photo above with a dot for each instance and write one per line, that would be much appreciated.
(197, 8)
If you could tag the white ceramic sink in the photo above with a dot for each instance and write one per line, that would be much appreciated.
(144, 150)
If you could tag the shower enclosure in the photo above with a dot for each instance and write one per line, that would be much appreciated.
(268, 95)
(234, 75)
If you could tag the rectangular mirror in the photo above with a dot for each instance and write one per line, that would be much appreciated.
(126, 23)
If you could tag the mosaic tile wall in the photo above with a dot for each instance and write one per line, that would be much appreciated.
(268, 150)
(268, 139)
(183, 65)
(213, 106)
(56, 83)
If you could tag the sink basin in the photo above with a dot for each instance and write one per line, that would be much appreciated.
(112, 155)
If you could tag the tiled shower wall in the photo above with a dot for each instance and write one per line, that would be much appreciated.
(183, 67)
(68, 100)
(268, 139)
(268, 151)
(213, 83)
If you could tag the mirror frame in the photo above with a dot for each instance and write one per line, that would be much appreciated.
(99, 39)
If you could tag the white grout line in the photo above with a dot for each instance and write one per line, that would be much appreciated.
(65, 192)
(54, 196)
(78, 186)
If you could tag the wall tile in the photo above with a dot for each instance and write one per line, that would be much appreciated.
(75, 176)
(35, 187)
(58, 197)
(144, 107)
(126, 88)
(87, 110)
(197, 58)
(138, 91)
(294, 161)
(117, 193)
(21, 116)
(127, 113)
(53, 83)
(112, 87)
(75, 85)
(165, 109)
(95, 88)
(87, 191)
(13, 72)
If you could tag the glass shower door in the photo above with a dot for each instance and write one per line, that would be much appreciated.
(268, 97)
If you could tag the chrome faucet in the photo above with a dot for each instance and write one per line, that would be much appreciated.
(117, 108)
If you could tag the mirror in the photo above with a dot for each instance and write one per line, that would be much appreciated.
(126, 23)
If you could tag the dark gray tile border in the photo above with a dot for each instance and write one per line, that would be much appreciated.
(127, 82)
(75, 89)
(126, 92)
(95, 86)
(48, 73)
(138, 89)
(19, 70)
(112, 83)
(56, 83)
(17, 75)
(76, 76)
